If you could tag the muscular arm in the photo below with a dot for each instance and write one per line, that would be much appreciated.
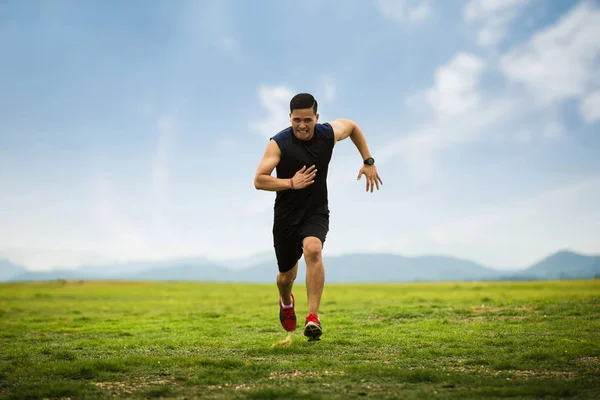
(263, 179)
(344, 128)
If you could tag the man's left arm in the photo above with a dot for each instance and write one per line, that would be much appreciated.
(344, 128)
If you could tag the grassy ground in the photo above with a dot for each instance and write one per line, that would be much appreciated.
(190, 340)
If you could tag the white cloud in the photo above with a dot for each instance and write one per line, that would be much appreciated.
(454, 94)
(492, 17)
(477, 10)
(276, 100)
(455, 90)
(548, 128)
(160, 168)
(46, 259)
(405, 11)
(524, 135)
(420, 12)
(418, 149)
(215, 22)
(114, 231)
(553, 130)
(560, 62)
(427, 221)
(228, 45)
(329, 89)
(563, 217)
(590, 107)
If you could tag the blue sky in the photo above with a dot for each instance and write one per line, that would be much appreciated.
(132, 130)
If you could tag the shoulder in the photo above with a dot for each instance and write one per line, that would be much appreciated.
(283, 137)
(342, 128)
(325, 129)
(282, 134)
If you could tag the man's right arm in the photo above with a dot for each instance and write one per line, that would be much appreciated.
(263, 179)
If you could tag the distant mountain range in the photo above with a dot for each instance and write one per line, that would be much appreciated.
(352, 268)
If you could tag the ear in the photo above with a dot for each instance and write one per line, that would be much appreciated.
(317, 117)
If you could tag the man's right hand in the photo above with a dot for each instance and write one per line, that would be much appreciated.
(304, 177)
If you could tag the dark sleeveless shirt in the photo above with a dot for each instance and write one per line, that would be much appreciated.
(292, 205)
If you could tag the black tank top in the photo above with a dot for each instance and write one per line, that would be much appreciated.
(292, 205)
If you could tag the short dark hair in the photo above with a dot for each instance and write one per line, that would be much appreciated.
(303, 100)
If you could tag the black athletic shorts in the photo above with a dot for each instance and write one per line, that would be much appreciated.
(287, 238)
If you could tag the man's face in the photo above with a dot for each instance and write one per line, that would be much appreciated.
(303, 123)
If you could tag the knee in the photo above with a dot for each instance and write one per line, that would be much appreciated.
(287, 278)
(313, 250)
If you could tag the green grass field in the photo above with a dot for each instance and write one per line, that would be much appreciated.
(195, 340)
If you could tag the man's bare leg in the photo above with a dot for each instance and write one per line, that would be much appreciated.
(315, 272)
(285, 281)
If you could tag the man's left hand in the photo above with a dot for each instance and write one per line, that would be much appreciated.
(371, 176)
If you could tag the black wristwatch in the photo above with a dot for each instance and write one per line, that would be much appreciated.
(369, 161)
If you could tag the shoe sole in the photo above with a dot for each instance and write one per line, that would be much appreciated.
(313, 332)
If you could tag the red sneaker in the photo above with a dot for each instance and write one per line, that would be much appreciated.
(287, 316)
(312, 327)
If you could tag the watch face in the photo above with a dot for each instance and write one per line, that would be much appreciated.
(370, 161)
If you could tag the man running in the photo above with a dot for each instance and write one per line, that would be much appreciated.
(301, 154)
